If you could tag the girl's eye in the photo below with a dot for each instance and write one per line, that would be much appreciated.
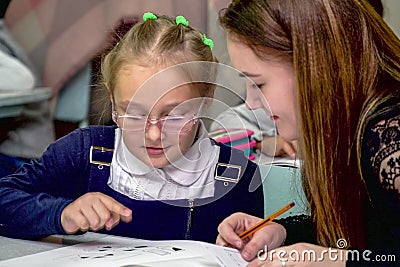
(138, 113)
(177, 112)
(135, 119)
(173, 117)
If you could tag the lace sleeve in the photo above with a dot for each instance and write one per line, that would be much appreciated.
(384, 148)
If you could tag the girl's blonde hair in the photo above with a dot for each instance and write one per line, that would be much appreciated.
(158, 42)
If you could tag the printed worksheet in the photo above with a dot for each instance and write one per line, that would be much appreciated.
(113, 251)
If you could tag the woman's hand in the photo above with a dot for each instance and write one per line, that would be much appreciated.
(271, 236)
(93, 211)
(277, 146)
(301, 254)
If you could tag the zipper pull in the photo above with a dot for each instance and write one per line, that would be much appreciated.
(189, 223)
(191, 207)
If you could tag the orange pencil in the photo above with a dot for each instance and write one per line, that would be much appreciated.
(263, 222)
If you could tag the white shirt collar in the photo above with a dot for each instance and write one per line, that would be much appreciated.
(191, 176)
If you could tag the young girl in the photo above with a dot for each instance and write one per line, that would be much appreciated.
(157, 171)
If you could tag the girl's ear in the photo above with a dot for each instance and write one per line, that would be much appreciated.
(114, 114)
(112, 102)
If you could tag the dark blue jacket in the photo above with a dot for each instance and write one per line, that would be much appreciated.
(32, 199)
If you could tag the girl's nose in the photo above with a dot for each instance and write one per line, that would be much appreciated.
(153, 132)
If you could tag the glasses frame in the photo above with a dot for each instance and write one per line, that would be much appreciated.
(158, 121)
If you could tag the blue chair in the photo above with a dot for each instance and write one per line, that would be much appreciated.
(282, 185)
(73, 98)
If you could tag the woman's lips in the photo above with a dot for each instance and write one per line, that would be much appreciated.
(274, 118)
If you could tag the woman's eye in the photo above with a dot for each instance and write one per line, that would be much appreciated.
(257, 86)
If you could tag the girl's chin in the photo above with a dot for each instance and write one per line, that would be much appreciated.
(155, 161)
(157, 166)
(159, 160)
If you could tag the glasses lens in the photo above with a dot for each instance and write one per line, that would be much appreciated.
(134, 123)
(176, 124)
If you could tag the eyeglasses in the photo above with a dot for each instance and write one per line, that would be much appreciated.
(168, 124)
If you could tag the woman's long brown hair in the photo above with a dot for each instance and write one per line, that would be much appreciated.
(341, 51)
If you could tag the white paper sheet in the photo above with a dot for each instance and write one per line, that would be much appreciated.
(116, 251)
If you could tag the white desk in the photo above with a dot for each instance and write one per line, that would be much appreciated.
(12, 248)
(11, 103)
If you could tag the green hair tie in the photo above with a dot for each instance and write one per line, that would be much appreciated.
(208, 41)
(181, 20)
(149, 15)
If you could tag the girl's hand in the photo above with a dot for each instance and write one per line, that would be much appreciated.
(272, 235)
(93, 211)
(302, 254)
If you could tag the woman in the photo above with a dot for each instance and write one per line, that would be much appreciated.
(330, 72)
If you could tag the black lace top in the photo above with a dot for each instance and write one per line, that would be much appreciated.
(381, 169)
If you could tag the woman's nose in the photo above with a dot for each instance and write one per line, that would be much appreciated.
(254, 99)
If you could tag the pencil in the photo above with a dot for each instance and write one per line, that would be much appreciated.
(263, 222)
